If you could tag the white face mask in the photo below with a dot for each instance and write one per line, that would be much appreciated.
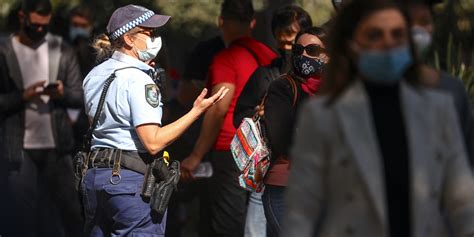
(151, 51)
(422, 40)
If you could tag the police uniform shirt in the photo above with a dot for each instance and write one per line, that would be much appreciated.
(132, 99)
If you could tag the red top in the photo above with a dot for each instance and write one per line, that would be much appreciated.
(235, 65)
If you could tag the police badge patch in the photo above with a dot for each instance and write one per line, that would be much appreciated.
(152, 95)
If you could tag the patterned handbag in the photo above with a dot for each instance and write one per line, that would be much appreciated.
(251, 150)
(251, 153)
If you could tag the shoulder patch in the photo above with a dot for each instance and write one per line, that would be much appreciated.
(152, 95)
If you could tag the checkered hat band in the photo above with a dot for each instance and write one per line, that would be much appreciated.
(122, 30)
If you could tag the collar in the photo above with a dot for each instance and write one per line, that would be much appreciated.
(119, 56)
(242, 40)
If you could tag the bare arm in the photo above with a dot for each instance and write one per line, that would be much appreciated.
(156, 138)
(211, 126)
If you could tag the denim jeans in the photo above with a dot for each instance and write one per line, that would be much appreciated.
(256, 223)
(43, 201)
(274, 206)
(117, 209)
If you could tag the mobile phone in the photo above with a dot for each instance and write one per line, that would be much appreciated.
(51, 85)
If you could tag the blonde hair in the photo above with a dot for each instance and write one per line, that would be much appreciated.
(104, 47)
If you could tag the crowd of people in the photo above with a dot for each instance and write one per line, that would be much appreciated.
(366, 138)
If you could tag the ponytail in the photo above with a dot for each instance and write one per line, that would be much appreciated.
(103, 47)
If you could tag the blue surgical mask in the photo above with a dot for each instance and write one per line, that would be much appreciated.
(78, 32)
(384, 66)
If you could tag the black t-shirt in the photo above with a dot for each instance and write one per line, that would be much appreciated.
(201, 57)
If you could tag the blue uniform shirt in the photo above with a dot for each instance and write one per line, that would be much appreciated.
(132, 99)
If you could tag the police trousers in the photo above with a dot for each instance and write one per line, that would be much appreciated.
(117, 209)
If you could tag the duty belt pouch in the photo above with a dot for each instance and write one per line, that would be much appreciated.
(159, 183)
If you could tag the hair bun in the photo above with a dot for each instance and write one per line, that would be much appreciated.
(103, 47)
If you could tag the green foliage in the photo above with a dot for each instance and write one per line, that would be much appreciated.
(5, 7)
(454, 50)
(195, 16)
(456, 66)
(191, 16)
(320, 10)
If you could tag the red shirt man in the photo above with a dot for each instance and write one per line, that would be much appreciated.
(235, 65)
(230, 68)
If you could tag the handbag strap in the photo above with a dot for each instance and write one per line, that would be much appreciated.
(86, 144)
(293, 88)
(256, 116)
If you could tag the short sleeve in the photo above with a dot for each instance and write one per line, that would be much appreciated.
(222, 70)
(145, 101)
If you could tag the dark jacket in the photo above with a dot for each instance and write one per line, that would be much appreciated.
(12, 116)
(281, 106)
(255, 89)
(455, 87)
(280, 114)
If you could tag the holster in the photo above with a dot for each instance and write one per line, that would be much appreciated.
(159, 183)
(80, 167)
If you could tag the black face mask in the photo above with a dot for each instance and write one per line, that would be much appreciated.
(33, 32)
(306, 67)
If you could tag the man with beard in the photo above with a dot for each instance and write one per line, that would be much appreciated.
(41, 79)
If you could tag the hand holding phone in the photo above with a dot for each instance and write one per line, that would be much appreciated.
(54, 89)
(51, 85)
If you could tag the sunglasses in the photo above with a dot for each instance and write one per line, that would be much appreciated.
(152, 34)
(312, 50)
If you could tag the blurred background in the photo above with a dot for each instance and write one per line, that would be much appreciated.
(196, 20)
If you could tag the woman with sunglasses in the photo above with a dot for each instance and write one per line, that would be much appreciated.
(380, 154)
(284, 96)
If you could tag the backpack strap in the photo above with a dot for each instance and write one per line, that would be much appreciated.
(254, 55)
(293, 87)
(294, 90)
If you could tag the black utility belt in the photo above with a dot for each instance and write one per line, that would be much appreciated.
(108, 158)
(161, 176)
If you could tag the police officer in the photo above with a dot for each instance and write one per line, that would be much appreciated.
(128, 133)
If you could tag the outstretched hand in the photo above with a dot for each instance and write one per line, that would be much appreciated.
(201, 104)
